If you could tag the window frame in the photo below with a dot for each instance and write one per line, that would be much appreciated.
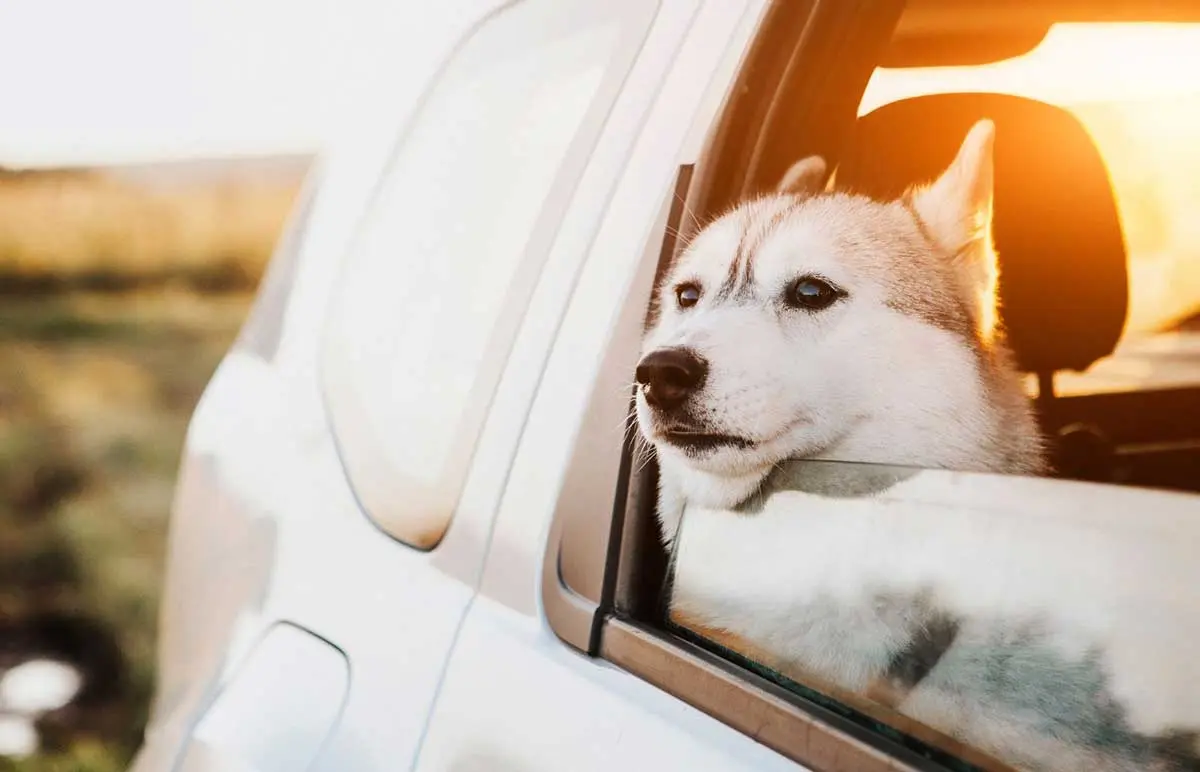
(538, 243)
(607, 615)
(596, 565)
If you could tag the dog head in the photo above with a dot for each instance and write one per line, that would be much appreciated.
(813, 323)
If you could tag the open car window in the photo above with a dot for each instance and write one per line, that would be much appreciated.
(925, 425)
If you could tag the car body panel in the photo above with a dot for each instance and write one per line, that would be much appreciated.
(266, 528)
(247, 545)
(550, 708)
(450, 661)
(267, 719)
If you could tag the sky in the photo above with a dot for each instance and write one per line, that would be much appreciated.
(116, 81)
(112, 81)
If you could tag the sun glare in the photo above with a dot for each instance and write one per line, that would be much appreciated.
(1075, 62)
(1134, 87)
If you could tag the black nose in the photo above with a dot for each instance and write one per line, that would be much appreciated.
(669, 375)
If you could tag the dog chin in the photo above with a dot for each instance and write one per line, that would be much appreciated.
(727, 458)
(738, 458)
(718, 459)
(727, 454)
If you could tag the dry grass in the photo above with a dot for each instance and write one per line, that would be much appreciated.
(89, 229)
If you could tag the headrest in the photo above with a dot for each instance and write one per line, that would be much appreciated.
(1063, 284)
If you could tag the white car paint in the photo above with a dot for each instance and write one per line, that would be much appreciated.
(450, 662)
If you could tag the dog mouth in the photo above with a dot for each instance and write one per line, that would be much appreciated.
(697, 441)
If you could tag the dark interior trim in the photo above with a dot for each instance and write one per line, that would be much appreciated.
(636, 558)
(846, 38)
(1158, 416)
(785, 30)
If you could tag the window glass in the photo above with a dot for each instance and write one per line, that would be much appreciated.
(859, 497)
(1046, 624)
(432, 293)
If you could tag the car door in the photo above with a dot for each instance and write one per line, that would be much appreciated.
(1064, 604)
(303, 536)
(515, 696)
(427, 360)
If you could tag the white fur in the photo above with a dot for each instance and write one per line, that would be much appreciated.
(866, 379)
(800, 578)
(835, 586)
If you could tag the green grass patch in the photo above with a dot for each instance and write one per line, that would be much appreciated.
(95, 396)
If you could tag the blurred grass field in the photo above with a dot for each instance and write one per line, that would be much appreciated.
(117, 301)
(77, 229)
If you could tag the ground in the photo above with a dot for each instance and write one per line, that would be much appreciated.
(95, 395)
(120, 290)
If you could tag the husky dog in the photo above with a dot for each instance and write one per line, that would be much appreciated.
(817, 324)
(824, 326)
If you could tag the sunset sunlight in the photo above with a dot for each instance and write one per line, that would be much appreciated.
(1134, 88)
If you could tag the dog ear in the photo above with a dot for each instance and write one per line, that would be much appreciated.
(806, 177)
(957, 206)
(957, 210)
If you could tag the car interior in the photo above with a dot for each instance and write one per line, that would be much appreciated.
(1064, 259)
(1064, 252)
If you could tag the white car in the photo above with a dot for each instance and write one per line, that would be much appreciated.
(410, 532)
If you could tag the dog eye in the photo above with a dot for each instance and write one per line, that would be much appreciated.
(687, 295)
(812, 294)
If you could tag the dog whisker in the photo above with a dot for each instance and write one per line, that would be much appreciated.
(643, 454)
(687, 210)
(628, 424)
